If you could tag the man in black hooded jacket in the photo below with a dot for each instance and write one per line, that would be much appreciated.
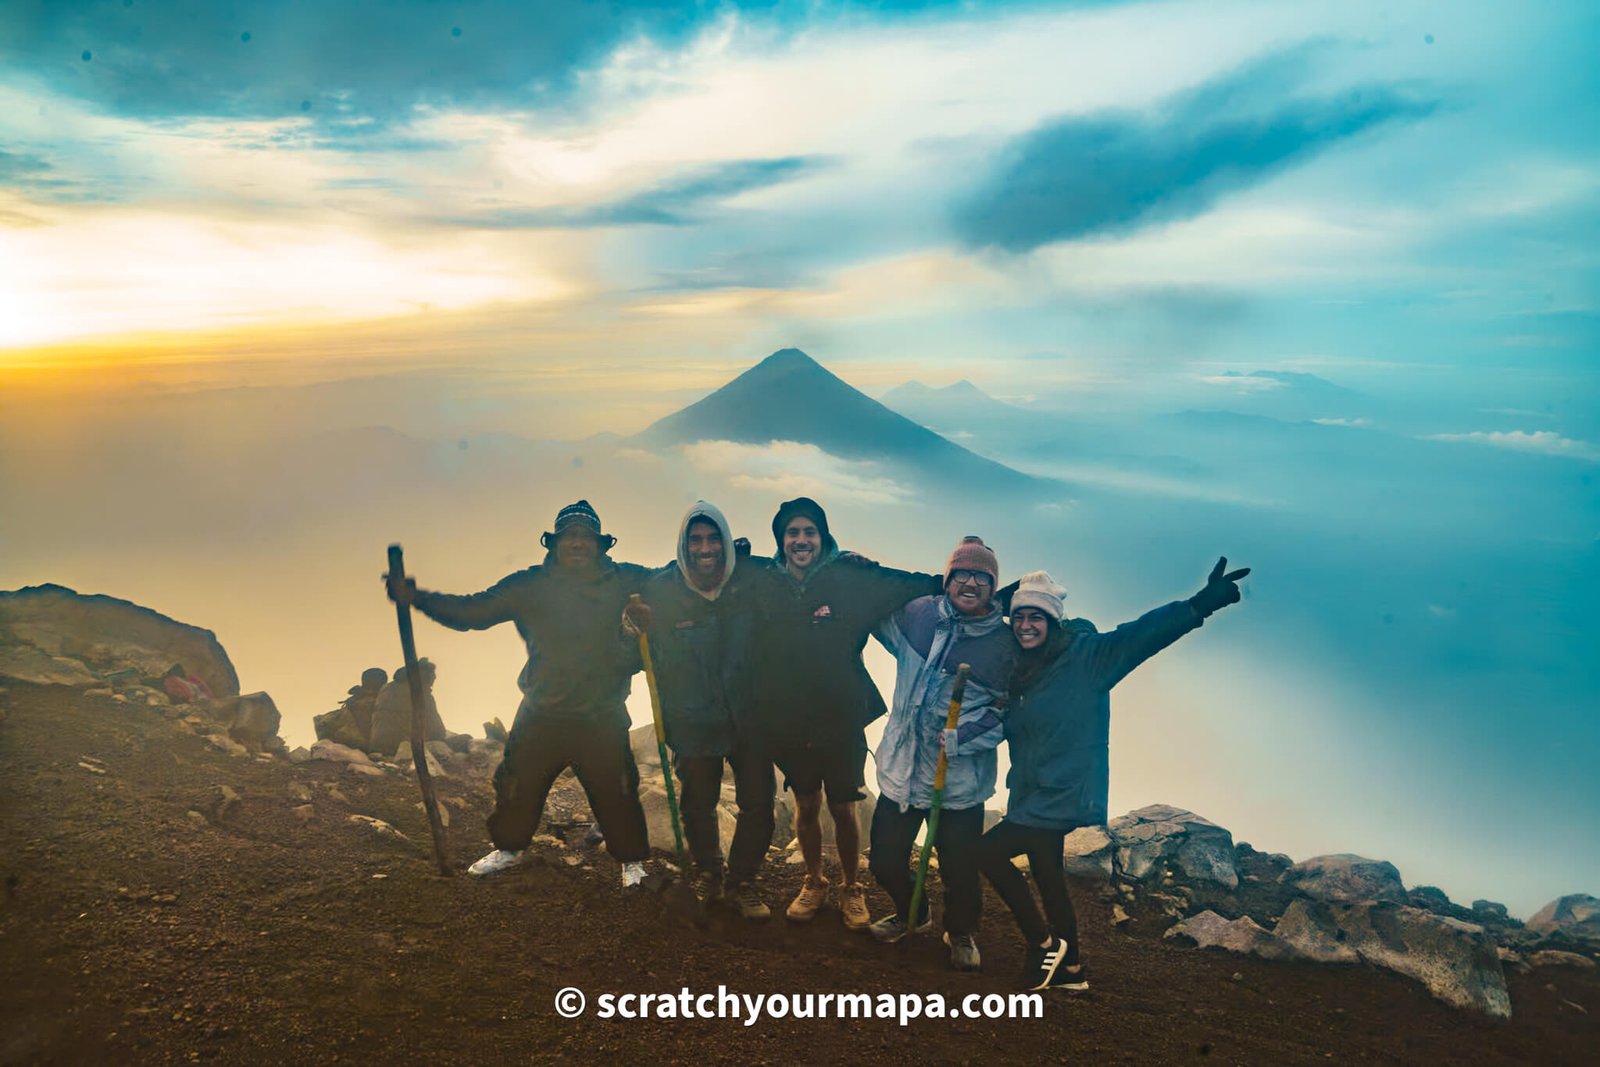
(812, 696)
(574, 687)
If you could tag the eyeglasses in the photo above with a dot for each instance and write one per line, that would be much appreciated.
(976, 577)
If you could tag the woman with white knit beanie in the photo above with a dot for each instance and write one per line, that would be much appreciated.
(1058, 729)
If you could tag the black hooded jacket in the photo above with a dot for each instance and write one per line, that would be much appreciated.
(579, 663)
(809, 684)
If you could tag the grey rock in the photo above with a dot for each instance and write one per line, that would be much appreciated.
(114, 638)
(1575, 917)
(1242, 935)
(1345, 878)
(1455, 960)
(1489, 909)
(1159, 838)
(1554, 957)
(226, 744)
(332, 750)
(25, 663)
(1089, 852)
(251, 719)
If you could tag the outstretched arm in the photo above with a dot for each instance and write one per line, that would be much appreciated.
(1114, 655)
(476, 612)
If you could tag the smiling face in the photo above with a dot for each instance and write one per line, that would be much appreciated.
(802, 544)
(1031, 626)
(704, 547)
(577, 547)
(970, 591)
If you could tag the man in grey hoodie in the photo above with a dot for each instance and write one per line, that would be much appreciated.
(697, 615)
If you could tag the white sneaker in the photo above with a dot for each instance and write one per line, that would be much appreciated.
(632, 874)
(496, 861)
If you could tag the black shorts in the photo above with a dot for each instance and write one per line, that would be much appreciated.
(839, 769)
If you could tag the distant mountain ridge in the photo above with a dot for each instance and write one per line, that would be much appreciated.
(791, 397)
(960, 407)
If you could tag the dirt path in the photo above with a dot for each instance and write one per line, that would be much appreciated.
(131, 929)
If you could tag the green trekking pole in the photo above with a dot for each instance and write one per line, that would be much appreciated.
(950, 721)
(678, 896)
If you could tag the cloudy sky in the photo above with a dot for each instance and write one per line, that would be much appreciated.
(226, 230)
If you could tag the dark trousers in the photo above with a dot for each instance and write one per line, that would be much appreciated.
(895, 831)
(753, 786)
(540, 749)
(1043, 849)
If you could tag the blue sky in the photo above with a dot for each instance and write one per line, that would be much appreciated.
(1373, 228)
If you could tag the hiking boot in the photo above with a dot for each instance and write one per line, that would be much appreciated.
(708, 887)
(963, 952)
(1043, 961)
(747, 898)
(632, 874)
(853, 903)
(495, 862)
(812, 896)
(1074, 979)
(893, 928)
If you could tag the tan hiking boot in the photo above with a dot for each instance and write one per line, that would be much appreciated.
(747, 898)
(812, 896)
(853, 903)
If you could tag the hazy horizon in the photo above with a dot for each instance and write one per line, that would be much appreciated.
(1311, 286)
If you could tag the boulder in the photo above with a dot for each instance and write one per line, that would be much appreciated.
(332, 750)
(1241, 935)
(1455, 960)
(1160, 838)
(1574, 918)
(109, 636)
(341, 726)
(1089, 853)
(26, 663)
(251, 719)
(1346, 879)
(1491, 910)
(1554, 957)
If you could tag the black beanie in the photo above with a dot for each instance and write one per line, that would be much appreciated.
(802, 505)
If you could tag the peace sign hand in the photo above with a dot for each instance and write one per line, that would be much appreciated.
(1221, 589)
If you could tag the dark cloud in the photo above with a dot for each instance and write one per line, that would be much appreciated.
(675, 202)
(1083, 176)
(361, 59)
(370, 60)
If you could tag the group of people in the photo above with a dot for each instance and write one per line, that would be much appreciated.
(758, 665)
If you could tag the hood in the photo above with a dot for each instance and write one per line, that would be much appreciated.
(709, 512)
(804, 505)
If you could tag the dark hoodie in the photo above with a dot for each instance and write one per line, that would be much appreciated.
(700, 645)
(570, 622)
(810, 687)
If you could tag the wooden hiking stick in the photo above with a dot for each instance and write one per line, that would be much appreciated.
(950, 721)
(419, 730)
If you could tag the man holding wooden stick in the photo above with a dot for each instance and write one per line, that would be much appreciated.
(928, 638)
(574, 687)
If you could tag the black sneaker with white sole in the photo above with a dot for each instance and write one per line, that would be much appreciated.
(1042, 963)
(1074, 979)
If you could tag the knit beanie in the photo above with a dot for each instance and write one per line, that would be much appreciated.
(973, 555)
(802, 505)
(1038, 590)
(580, 514)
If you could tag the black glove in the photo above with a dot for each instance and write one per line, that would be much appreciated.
(741, 548)
(1220, 591)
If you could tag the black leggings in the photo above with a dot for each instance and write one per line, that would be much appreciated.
(1043, 849)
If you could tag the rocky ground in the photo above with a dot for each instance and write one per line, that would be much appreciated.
(165, 901)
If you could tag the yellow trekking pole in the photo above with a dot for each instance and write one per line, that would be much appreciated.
(661, 742)
(950, 721)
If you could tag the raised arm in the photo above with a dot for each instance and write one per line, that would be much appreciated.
(479, 611)
(1113, 656)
